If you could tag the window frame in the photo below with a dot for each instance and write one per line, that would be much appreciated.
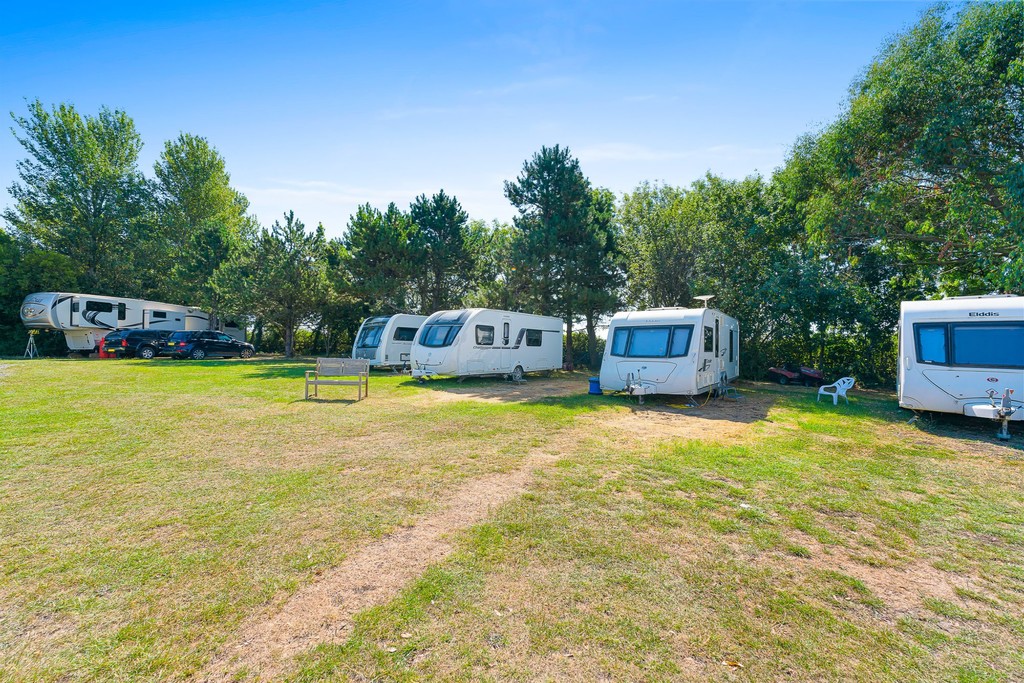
(366, 332)
(486, 330)
(534, 335)
(950, 336)
(709, 339)
(627, 330)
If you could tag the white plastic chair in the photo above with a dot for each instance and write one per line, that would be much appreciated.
(837, 389)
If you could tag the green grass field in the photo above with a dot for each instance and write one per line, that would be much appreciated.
(151, 510)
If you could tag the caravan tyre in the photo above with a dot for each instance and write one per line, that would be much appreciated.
(246, 353)
(783, 380)
(147, 352)
(517, 374)
(197, 354)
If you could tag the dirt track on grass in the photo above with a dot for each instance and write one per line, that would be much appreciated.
(322, 612)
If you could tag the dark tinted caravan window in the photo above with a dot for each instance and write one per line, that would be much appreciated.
(369, 338)
(994, 345)
(932, 344)
(439, 335)
(709, 339)
(405, 333)
(100, 306)
(162, 315)
(485, 335)
(122, 311)
(732, 345)
(533, 337)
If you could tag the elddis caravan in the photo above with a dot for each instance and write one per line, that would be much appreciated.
(386, 340)
(86, 318)
(963, 355)
(682, 351)
(483, 341)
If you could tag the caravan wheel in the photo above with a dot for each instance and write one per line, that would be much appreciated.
(517, 374)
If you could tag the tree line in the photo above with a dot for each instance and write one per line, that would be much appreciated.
(915, 190)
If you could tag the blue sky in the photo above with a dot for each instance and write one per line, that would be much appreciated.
(319, 107)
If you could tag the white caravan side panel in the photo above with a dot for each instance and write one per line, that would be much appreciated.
(486, 342)
(953, 351)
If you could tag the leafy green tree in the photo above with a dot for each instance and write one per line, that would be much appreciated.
(445, 254)
(553, 199)
(379, 258)
(927, 160)
(80, 194)
(601, 268)
(24, 269)
(658, 246)
(201, 216)
(280, 279)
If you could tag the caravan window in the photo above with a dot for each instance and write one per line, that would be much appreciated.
(122, 311)
(648, 342)
(99, 306)
(533, 337)
(485, 335)
(932, 345)
(652, 342)
(732, 345)
(709, 339)
(162, 315)
(619, 340)
(504, 334)
(406, 334)
(992, 345)
(680, 341)
(439, 335)
(370, 337)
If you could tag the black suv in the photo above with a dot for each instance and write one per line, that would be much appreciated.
(136, 343)
(199, 345)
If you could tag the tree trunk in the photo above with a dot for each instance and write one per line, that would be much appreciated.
(592, 360)
(289, 338)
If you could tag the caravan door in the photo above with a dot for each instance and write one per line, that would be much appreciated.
(707, 357)
(506, 344)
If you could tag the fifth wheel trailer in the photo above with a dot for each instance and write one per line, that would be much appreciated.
(86, 318)
(681, 351)
(483, 341)
(386, 340)
(963, 355)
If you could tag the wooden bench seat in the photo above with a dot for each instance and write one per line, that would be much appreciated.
(340, 371)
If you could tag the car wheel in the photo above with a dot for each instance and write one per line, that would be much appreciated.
(146, 352)
(197, 354)
(517, 374)
(246, 353)
(783, 380)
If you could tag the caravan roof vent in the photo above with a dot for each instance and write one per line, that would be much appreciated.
(704, 299)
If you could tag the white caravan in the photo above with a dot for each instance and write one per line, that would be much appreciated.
(681, 351)
(963, 355)
(86, 318)
(386, 340)
(483, 341)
